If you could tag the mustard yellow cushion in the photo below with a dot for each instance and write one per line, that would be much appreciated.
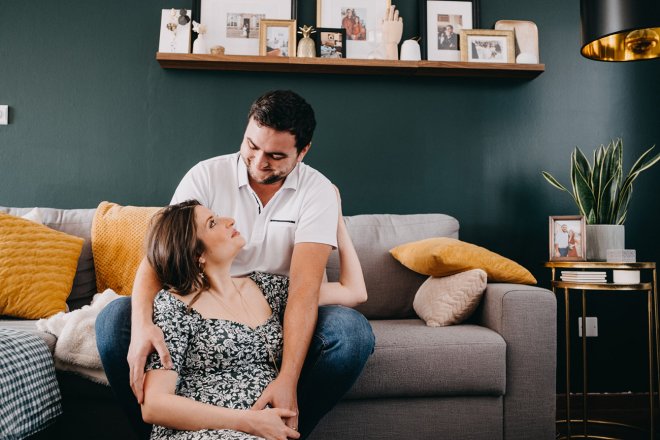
(37, 267)
(445, 256)
(118, 234)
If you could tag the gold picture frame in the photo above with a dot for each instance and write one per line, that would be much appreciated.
(487, 46)
(567, 238)
(277, 38)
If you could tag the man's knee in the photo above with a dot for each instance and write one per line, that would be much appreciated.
(112, 325)
(345, 330)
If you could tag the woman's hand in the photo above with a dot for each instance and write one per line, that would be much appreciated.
(269, 424)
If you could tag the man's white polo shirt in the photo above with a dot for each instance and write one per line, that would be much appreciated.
(303, 210)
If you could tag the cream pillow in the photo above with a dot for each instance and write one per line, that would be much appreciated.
(37, 267)
(450, 300)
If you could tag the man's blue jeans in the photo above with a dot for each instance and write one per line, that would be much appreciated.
(340, 347)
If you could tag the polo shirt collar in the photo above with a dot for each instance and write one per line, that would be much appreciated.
(290, 182)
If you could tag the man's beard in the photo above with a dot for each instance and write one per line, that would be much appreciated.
(269, 180)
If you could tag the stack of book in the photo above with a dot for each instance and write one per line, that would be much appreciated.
(584, 276)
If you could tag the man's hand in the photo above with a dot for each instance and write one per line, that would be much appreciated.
(280, 393)
(144, 340)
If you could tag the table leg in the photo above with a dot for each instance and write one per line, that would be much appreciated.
(657, 338)
(584, 364)
(651, 397)
(568, 365)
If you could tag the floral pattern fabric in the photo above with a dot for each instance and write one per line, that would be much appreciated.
(220, 362)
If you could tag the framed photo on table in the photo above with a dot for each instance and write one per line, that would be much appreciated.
(440, 25)
(277, 38)
(235, 24)
(487, 46)
(567, 238)
(330, 42)
(359, 18)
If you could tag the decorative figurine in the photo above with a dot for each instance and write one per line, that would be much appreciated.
(306, 47)
(199, 46)
(392, 30)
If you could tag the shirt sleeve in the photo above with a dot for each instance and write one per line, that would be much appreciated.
(319, 215)
(194, 185)
(176, 323)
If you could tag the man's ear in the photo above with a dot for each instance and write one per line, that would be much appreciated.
(303, 152)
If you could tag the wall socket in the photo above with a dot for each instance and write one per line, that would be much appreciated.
(4, 114)
(592, 326)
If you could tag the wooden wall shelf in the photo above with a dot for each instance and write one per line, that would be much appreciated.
(347, 66)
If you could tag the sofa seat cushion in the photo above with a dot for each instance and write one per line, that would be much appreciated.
(413, 360)
(30, 326)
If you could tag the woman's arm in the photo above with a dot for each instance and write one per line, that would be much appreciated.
(350, 290)
(163, 407)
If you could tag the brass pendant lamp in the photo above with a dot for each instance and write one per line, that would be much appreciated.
(620, 30)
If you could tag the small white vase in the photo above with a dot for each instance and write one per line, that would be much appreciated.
(306, 48)
(600, 238)
(199, 46)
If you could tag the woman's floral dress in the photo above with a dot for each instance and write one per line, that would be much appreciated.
(220, 362)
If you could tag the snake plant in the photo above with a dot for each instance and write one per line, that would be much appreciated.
(600, 192)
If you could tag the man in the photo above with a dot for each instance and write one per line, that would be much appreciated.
(288, 214)
(448, 40)
(561, 242)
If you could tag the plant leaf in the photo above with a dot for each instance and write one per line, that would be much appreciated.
(626, 188)
(552, 181)
(582, 191)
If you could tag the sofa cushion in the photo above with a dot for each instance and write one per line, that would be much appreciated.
(391, 287)
(443, 256)
(450, 300)
(76, 222)
(37, 267)
(423, 361)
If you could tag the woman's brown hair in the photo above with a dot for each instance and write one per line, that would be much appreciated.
(173, 249)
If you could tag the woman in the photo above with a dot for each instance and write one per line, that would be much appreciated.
(224, 334)
(572, 244)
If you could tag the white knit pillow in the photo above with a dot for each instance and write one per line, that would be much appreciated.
(450, 300)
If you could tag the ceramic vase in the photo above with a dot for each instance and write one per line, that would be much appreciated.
(600, 238)
(199, 46)
(306, 48)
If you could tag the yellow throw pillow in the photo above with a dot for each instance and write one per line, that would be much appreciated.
(37, 267)
(118, 234)
(445, 256)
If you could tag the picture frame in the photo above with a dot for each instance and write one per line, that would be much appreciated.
(361, 36)
(330, 42)
(277, 38)
(235, 24)
(488, 46)
(567, 238)
(436, 16)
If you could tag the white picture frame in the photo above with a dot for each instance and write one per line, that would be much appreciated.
(234, 24)
(330, 14)
(174, 37)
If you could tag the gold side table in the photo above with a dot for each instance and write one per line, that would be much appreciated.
(652, 305)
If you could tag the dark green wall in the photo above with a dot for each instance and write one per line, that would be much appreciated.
(94, 117)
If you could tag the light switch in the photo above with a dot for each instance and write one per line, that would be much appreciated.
(4, 114)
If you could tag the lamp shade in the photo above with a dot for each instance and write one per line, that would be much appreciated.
(620, 30)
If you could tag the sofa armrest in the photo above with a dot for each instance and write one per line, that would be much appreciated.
(526, 317)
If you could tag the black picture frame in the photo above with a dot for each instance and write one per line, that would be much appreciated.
(423, 7)
(318, 41)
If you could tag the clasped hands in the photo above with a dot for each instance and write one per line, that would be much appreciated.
(392, 26)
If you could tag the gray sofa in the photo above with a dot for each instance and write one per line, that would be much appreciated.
(492, 377)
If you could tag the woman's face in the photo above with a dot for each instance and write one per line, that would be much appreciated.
(221, 240)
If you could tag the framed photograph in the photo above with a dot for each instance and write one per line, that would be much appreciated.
(487, 46)
(330, 42)
(359, 18)
(174, 31)
(567, 238)
(277, 38)
(440, 25)
(234, 24)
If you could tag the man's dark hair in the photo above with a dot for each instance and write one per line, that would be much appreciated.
(284, 110)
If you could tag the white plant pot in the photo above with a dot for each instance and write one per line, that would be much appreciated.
(600, 238)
